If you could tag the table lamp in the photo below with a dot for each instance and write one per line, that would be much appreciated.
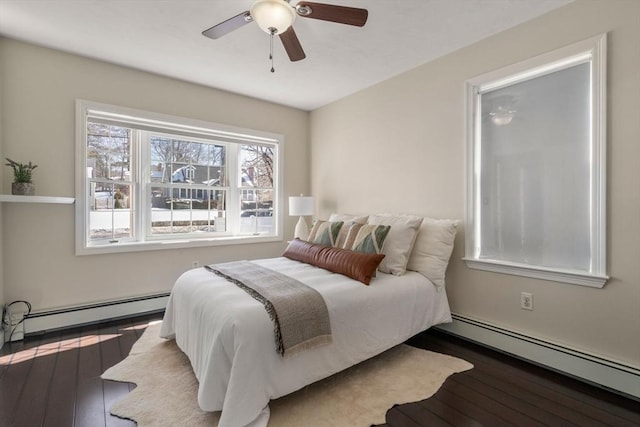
(301, 206)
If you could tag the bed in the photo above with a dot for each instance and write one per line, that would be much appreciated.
(228, 335)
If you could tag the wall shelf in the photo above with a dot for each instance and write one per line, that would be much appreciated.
(36, 199)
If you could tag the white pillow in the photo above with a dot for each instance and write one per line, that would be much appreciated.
(432, 249)
(348, 220)
(399, 242)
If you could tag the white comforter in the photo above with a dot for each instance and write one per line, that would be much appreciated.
(228, 335)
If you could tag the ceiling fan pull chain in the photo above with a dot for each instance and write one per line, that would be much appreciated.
(273, 31)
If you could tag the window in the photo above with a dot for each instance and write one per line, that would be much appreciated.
(536, 167)
(149, 181)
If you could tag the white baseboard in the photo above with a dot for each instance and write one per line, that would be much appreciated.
(44, 321)
(594, 369)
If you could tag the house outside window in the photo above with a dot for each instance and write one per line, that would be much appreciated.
(148, 181)
(536, 167)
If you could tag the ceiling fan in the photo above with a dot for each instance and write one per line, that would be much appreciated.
(276, 17)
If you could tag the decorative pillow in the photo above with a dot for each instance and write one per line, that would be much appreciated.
(325, 232)
(366, 238)
(432, 249)
(399, 242)
(358, 266)
(348, 221)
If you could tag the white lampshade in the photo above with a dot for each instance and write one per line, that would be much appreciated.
(276, 14)
(301, 206)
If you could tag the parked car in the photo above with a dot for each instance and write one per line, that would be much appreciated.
(256, 212)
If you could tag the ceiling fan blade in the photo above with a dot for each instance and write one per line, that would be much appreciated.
(292, 45)
(333, 13)
(227, 26)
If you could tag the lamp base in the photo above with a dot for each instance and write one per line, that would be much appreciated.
(302, 230)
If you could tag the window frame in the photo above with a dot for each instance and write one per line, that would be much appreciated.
(233, 137)
(594, 51)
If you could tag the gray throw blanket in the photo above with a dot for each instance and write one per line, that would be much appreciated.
(299, 313)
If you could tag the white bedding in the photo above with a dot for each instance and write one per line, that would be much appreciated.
(228, 335)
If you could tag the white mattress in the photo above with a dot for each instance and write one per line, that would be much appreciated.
(228, 335)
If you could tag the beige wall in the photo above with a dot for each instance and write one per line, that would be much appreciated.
(40, 87)
(2, 300)
(400, 146)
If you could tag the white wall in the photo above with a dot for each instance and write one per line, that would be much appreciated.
(400, 146)
(40, 88)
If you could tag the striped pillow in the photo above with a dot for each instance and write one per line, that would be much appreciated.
(348, 219)
(325, 232)
(367, 238)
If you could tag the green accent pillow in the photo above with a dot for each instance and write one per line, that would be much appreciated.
(325, 232)
(367, 238)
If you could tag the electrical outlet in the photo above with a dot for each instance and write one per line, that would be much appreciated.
(526, 300)
(195, 264)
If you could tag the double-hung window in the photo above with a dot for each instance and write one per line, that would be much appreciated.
(536, 167)
(150, 181)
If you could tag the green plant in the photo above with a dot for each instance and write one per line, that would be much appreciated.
(21, 172)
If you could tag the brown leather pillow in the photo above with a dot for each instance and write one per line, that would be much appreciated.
(356, 265)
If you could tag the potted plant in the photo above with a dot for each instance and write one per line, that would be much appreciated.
(22, 175)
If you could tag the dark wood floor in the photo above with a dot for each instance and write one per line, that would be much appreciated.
(501, 390)
(54, 380)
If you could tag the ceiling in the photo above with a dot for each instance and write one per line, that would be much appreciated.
(164, 37)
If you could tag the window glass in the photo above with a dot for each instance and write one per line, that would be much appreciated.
(108, 170)
(535, 171)
(256, 195)
(181, 174)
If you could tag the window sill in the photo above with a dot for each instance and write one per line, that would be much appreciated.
(124, 247)
(563, 276)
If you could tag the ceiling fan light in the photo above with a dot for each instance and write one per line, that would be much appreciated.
(502, 116)
(277, 14)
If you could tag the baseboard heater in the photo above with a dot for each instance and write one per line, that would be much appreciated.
(52, 320)
(596, 370)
